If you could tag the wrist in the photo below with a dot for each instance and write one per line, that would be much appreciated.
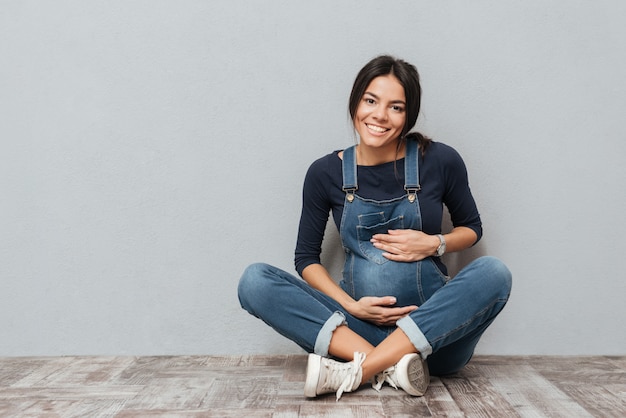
(441, 245)
(350, 305)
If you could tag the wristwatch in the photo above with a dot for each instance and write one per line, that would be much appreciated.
(442, 245)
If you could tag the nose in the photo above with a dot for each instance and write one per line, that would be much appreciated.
(380, 113)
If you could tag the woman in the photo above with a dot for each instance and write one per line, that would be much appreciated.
(396, 314)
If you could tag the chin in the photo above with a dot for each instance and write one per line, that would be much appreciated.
(378, 142)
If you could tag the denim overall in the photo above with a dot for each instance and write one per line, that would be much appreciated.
(366, 272)
(452, 313)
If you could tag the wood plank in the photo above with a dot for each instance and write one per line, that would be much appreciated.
(475, 395)
(530, 394)
(597, 400)
(439, 400)
(592, 381)
(398, 404)
(70, 409)
(340, 410)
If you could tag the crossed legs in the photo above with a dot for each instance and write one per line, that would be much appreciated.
(452, 320)
(345, 342)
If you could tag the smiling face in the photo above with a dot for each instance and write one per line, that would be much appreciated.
(381, 115)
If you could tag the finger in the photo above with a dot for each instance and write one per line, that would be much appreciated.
(398, 312)
(396, 234)
(386, 301)
(395, 257)
(407, 310)
(386, 246)
(379, 238)
(400, 232)
(383, 246)
(392, 236)
(376, 243)
(391, 320)
(383, 239)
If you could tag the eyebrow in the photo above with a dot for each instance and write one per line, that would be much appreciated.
(378, 98)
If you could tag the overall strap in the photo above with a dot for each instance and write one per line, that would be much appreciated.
(411, 169)
(348, 166)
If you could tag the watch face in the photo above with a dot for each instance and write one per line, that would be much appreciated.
(442, 246)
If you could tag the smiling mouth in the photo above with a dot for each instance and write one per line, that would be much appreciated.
(377, 129)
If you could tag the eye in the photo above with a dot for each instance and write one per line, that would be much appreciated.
(397, 108)
(369, 100)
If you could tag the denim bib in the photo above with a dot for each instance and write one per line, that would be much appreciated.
(366, 272)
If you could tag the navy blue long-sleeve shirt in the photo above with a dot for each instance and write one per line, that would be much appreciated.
(443, 178)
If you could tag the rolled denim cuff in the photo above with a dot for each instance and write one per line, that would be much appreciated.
(417, 338)
(322, 342)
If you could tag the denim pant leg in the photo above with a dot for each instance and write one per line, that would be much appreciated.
(453, 357)
(300, 313)
(450, 323)
(288, 304)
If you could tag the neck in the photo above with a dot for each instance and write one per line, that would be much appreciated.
(376, 156)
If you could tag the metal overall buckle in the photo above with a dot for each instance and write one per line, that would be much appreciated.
(350, 193)
(412, 192)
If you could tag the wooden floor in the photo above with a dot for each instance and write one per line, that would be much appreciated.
(271, 386)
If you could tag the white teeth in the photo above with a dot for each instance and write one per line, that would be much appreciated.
(377, 128)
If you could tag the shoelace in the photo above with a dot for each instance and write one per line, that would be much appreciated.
(344, 376)
(385, 376)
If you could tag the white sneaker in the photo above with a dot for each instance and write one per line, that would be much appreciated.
(324, 375)
(410, 374)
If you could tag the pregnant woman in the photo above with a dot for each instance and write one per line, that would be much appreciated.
(395, 316)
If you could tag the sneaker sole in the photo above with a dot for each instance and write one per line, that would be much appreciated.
(312, 375)
(416, 381)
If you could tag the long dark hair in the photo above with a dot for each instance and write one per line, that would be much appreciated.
(409, 79)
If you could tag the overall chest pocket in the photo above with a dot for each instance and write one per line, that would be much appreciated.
(371, 224)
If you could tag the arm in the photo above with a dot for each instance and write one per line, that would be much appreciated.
(410, 245)
(451, 182)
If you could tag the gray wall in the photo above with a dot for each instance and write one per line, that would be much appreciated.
(153, 149)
